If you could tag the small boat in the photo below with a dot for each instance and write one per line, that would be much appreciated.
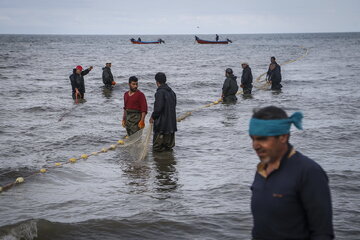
(200, 41)
(159, 41)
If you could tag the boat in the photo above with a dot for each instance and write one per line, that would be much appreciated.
(201, 41)
(159, 41)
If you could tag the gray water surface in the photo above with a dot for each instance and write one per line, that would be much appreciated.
(201, 189)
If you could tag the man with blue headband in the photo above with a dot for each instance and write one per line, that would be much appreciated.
(290, 193)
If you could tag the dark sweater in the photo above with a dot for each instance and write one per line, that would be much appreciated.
(293, 202)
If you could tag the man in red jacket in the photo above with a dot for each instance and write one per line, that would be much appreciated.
(135, 108)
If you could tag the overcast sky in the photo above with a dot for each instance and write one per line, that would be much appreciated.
(178, 16)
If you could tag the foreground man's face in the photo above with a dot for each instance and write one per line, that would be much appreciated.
(268, 149)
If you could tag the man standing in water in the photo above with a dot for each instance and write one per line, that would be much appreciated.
(290, 193)
(107, 76)
(230, 87)
(246, 79)
(135, 108)
(77, 82)
(164, 115)
(274, 77)
(274, 70)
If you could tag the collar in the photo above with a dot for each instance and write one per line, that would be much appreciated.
(261, 167)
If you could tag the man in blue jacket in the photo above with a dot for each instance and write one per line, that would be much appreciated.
(164, 115)
(290, 193)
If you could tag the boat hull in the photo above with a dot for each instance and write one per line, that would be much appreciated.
(141, 42)
(211, 42)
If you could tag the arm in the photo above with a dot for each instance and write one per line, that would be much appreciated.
(83, 73)
(316, 199)
(158, 105)
(74, 86)
(225, 87)
(144, 109)
(106, 77)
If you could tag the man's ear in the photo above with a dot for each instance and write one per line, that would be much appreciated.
(284, 138)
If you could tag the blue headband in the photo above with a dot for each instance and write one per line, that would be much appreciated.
(274, 127)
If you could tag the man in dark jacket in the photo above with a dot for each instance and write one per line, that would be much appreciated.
(164, 115)
(230, 87)
(290, 193)
(107, 76)
(274, 72)
(77, 82)
(274, 77)
(246, 79)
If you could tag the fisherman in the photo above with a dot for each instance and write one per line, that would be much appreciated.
(107, 76)
(164, 115)
(135, 108)
(246, 79)
(139, 39)
(230, 87)
(217, 37)
(271, 70)
(274, 77)
(290, 193)
(78, 83)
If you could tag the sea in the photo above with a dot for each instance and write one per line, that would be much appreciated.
(200, 190)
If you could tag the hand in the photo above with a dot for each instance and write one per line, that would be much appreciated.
(151, 120)
(242, 86)
(123, 123)
(91, 67)
(141, 124)
(113, 83)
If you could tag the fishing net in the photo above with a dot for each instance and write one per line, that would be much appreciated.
(138, 143)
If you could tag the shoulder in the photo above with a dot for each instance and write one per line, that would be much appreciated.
(126, 93)
(306, 164)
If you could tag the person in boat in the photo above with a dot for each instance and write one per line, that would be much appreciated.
(290, 192)
(197, 38)
(164, 115)
(230, 87)
(132, 40)
(161, 41)
(274, 77)
(78, 83)
(246, 79)
(139, 39)
(107, 76)
(135, 108)
(278, 68)
(217, 38)
(229, 40)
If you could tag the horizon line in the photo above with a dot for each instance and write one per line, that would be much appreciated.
(147, 34)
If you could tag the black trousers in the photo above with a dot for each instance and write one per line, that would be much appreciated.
(163, 142)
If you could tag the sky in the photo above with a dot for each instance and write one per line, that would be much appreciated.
(177, 17)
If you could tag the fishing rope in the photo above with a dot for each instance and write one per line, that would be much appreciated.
(264, 86)
(129, 141)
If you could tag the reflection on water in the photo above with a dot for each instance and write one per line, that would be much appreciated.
(107, 92)
(166, 173)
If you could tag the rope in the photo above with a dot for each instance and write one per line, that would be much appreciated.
(128, 141)
(265, 85)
